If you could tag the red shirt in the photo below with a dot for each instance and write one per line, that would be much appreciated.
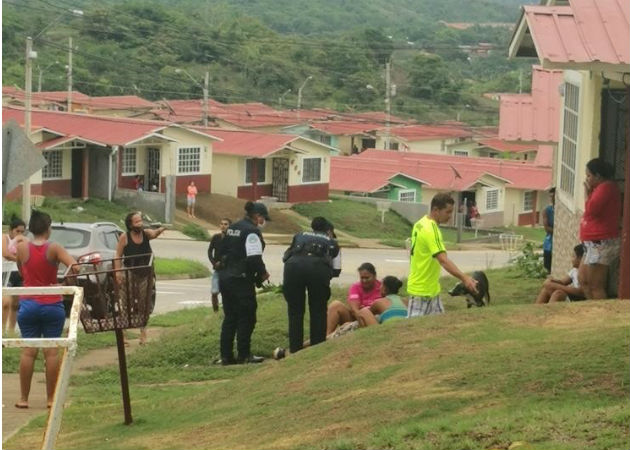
(37, 271)
(601, 213)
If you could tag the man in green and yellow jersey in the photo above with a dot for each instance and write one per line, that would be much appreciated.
(428, 256)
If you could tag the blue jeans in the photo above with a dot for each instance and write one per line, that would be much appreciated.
(41, 320)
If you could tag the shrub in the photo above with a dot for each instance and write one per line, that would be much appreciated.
(9, 209)
(196, 232)
(530, 263)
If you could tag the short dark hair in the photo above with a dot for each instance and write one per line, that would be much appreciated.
(600, 168)
(16, 222)
(552, 190)
(579, 250)
(319, 223)
(229, 221)
(441, 200)
(392, 284)
(129, 217)
(39, 223)
(369, 267)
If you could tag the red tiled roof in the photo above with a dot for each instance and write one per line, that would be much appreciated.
(375, 116)
(340, 127)
(248, 143)
(120, 102)
(365, 172)
(412, 133)
(503, 146)
(533, 117)
(98, 129)
(585, 32)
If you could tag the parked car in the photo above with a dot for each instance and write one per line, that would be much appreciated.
(88, 243)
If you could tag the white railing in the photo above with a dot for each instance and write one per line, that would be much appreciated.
(69, 343)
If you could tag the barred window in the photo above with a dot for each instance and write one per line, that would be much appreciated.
(54, 166)
(460, 153)
(569, 138)
(189, 160)
(128, 161)
(528, 201)
(492, 200)
(261, 166)
(311, 170)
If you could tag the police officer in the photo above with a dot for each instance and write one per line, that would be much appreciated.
(308, 265)
(241, 255)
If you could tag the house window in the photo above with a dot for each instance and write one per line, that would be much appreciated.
(569, 138)
(393, 145)
(311, 170)
(368, 143)
(261, 166)
(492, 200)
(129, 161)
(460, 153)
(528, 201)
(407, 195)
(189, 160)
(325, 139)
(53, 168)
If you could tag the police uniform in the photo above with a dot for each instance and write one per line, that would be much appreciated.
(241, 254)
(308, 264)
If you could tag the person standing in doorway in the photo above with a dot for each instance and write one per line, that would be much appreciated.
(548, 216)
(40, 315)
(213, 255)
(428, 256)
(131, 245)
(191, 198)
(599, 228)
(241, 253)
(308, 266)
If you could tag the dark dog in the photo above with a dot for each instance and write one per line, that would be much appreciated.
(483, 290)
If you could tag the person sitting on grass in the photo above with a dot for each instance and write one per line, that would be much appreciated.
(386, 308)
(568, 287)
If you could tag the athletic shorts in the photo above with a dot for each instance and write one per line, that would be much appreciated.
(392, 313)
(215, 283)
(424, 306)
(41, 319)
(603, 252)
(190, 201)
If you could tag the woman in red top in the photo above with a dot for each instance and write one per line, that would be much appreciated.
(599, 228)
(40, 315)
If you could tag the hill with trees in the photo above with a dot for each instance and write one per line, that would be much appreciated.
(257, 50)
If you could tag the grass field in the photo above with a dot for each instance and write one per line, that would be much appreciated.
(551, 377)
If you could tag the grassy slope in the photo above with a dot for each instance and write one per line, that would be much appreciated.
(555, 377)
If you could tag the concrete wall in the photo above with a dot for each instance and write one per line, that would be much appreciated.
(226, 175)
(157, 205)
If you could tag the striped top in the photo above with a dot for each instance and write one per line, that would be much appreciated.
(424, 268)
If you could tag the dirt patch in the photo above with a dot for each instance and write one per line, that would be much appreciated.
(213, 207)
(587, 314)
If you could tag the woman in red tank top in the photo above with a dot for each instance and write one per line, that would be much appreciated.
(599, 228)
(40, 315)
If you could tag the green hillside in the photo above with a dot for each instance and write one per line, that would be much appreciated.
(256, 51)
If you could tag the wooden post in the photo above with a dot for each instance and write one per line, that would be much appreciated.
(86, 174)
(124, 380)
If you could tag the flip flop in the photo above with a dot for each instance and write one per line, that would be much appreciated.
(21, 405)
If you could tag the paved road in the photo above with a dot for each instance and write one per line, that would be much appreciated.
(173, 295)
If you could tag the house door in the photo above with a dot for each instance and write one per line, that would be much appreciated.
(280, 176)
(153, 169)
(76, 186)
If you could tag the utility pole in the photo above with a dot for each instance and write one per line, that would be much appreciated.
(28, 81)
(299, 99)
(205, 99)
(520, 81)
(388, 102)
(70, 74)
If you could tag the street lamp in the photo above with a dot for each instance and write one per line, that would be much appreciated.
(281, 98)
(299, 100)
(204, 88)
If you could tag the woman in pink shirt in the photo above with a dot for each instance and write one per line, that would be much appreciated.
(191, 197)
(361, 295)
(599, 228)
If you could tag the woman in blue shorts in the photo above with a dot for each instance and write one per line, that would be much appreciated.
(40, 315)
